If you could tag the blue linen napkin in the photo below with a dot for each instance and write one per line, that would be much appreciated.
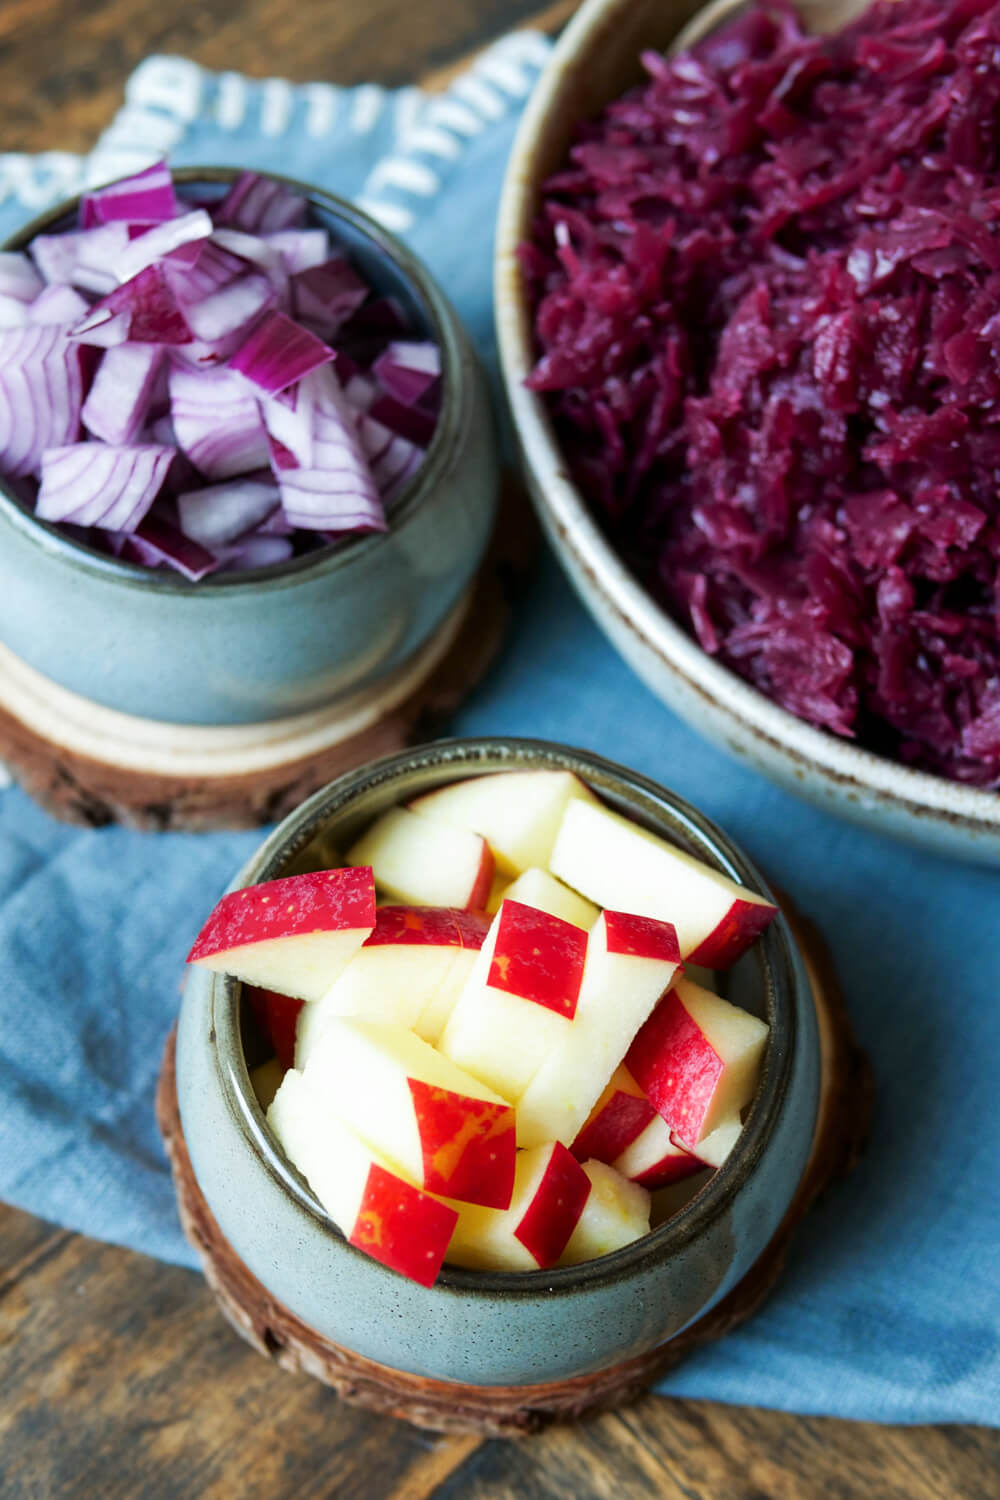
(890, 1308)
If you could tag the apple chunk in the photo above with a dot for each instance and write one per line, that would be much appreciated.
(655, 1157)
(613, 861)
(517, 812)
(426, 863)
(697, 1058)
(621, 1113)
(543, 891)
(630, 963)
(519, 1000)
(374, 1207)
(408, 959)
(616, 1213)
(294, 935)
(713, 1149)
(434, 1122)
(550, 1190)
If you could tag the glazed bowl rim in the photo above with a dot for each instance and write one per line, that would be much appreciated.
(839, 763)
(783, 986)
(444, 329)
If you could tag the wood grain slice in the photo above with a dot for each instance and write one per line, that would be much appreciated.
(88, 764)
(846, 1096)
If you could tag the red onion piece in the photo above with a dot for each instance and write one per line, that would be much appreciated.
(118, 399)
(252, 250)
(260, 205)
(231, 309)
(278, 353)
(58, 303)
(41, 393)
(335, 491)
(149, 306)
(328, 294)
(165, 239)
(156, 542)
(221, 513)
(217, 421)
(83, 258)
(13, 312)
(256, 551)
(410, 422)
(299, 249)
(18, 277)
(93, 484)
(409, 370)
(146, 197)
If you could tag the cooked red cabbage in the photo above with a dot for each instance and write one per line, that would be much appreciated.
(767, 307)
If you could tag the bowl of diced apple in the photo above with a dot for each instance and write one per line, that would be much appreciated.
(497, 1063)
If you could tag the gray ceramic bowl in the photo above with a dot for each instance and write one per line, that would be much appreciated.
(509, 1328)
(596, 60)
(249, 647)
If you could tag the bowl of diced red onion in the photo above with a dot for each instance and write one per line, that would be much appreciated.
(247, 464)
(748, 352)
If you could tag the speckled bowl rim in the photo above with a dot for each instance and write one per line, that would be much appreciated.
(840, 764)
(443, 323)
(775, 955)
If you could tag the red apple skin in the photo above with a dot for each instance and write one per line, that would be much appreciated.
(742, 925)
(669, 1169)
(641, 937)
(605, 1136)
(468, 1145)
(277, 1015)
(676, 1068)
(430, 926)
(554, 1211)
(405, 1229)
(322, 901)
(539, 958)
(480, 893)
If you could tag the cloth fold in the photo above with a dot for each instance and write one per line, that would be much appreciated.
(890, 1306)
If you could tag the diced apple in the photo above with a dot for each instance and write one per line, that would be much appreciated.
(277, 1016)
(375, 1207)
(620, 1115)
(398, 971)
(294, 935)
(697, 1059)
(613, 861)
(616, 1213)
(540, 889)
(630, 963)
(434, 1017)
(550, 1190)
(655, 1158)
(266, 1081)
(517, 812)
(712, 1150)
(424, 862)
(519, 1000)
(435, 1123)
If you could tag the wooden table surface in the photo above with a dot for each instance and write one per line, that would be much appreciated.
(118, 1379)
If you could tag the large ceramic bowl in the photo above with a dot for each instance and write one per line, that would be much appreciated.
(249, 647)
(502, 1328)
(597, 59)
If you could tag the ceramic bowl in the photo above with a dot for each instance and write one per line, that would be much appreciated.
(596, 60)
(501, 1328)
(256, 646)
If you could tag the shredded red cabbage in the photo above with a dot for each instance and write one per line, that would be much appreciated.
(183, 385)
(767, 308)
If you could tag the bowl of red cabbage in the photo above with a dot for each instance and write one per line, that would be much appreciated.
(247, 466)
(748, 306)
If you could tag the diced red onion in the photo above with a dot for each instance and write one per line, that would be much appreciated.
(256, 551)
(336, 491)
(147, 197)
(217, 421)
(13, 312)
(251, 249)
(393, 459)
(41, 393)
(231, 309)
(162, 240)
(278, 353)
(58, 303)
(221, 513)
(260, 205)
(409, 370)
(84, 258)
(93, 484)
(410, 422)
(118, 400)
(299, 249)
(328, 294)
(156, 542)
(18, 277)
(148, 304)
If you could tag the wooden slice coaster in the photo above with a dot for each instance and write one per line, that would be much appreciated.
(88, 764)
(506, 1411)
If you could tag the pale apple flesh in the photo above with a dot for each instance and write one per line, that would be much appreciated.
(712, 1150)
(519, 998)
(294, 935)
(697, 1060)
(630, 963)
(654, 1158)
(432, 1121)
(619, 865)
(517, 812)
(550, 1191)
(374, 1206)
(426, 863)
(615, 1214)
(540, 889)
